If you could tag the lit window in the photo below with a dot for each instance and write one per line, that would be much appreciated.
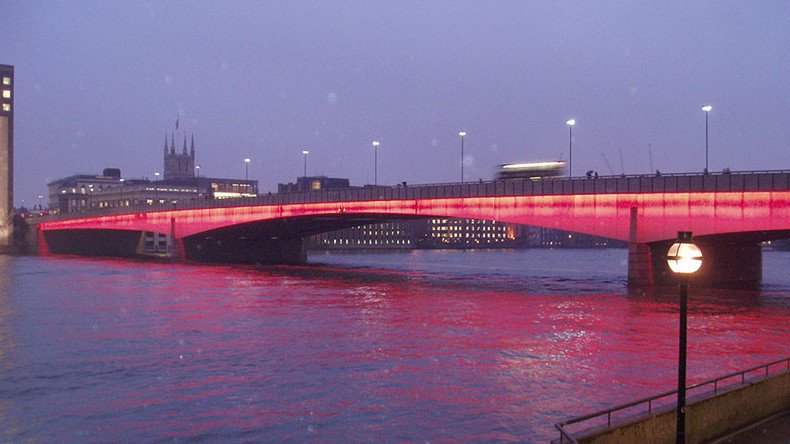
(6, 93)
(6, 107)
(6, 80)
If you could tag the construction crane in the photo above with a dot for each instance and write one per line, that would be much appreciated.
(611, 173)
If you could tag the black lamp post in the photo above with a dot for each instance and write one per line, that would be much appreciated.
(197, 186)
(684, 258)
(156, 188)
(305, 152)
(376, 144)
(570, 124)
(707, 109)
(462, 134)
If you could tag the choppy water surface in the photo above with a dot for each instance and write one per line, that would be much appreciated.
(421, 346)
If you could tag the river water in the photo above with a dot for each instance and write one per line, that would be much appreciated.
(420, 346)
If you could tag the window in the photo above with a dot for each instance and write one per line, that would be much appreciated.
(6, 93)
(6, 80)
(6, 107)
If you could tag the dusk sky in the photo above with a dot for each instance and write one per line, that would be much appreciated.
(100, 84)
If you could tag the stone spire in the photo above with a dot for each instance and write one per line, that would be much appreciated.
(165, 144)
(192, 146)
(184, 151)
(172, 143)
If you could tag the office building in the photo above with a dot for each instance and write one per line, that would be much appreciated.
(313, 183)
(430, 233)
(6, 155)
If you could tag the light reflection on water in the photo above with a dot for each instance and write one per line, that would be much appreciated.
(408, 346)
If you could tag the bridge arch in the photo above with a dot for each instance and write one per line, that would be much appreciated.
(722, 211)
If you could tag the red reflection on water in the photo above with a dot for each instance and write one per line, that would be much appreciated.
(139, 351)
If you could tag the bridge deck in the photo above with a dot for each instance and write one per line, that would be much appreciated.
(668, 183)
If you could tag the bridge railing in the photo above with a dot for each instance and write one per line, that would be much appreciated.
(651, 404)
(623, 184)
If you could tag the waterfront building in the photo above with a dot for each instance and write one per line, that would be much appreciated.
(83, 192)
(469, 233)
(453, 233)
(392, 235)
(6, 155)
(434, 233)
(550, 238)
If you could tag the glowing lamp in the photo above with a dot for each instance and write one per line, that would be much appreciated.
(707, 108)
(462, 133)
(571, 122)
(684, 256)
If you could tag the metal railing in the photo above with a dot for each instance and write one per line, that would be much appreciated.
(566, 436)
(778, 180)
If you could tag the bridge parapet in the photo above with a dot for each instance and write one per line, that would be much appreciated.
(728, 213)
(625, 184)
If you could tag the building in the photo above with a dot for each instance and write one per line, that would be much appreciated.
(313, 183)
(393, 235)
(6, 155)
(469, 233)
(79, 192)
(433, 233)
(108, 190)
(453, 233)
(551, 238)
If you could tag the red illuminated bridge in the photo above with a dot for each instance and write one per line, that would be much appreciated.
(729, 213)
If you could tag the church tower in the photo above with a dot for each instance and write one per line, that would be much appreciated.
(179, 165)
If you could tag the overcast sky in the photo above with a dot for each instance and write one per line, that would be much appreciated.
(100, 83)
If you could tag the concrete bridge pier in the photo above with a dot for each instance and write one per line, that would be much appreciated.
(640, 262)
(640, 265)
(729, 261)
(245, 250)
(176, 243)
(726, 263)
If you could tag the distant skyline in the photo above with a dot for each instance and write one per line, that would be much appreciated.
(101, 84)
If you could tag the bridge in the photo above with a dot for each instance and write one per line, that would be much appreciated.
(730, 214)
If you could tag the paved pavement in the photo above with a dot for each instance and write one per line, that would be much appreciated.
(774, 430)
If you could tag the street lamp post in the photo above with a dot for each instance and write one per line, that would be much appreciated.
(462, 134)
(570, 124)
(197, 184)
(305, 152)
(156, 187)
(246, 167)
(707, 109)
(376, 144)
(684, 258)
